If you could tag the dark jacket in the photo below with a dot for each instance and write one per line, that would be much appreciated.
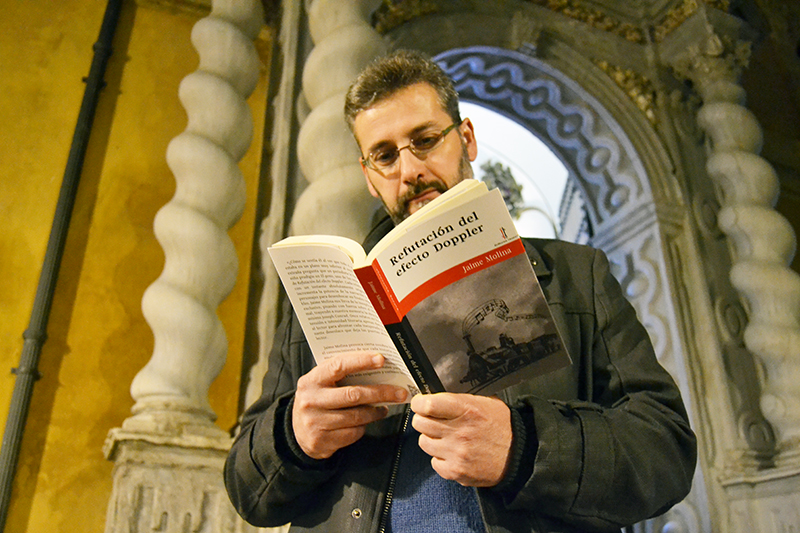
(596, 446)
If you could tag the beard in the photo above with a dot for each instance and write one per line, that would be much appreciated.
(401, 209)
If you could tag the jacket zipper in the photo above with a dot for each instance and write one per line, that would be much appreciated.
(387, 504)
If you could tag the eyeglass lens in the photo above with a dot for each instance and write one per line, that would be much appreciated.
(420, 146)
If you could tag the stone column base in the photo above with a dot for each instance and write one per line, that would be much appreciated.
(169, 484)
(767, 501)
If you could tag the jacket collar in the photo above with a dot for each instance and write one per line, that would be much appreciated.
(539, 266)
(383, 226)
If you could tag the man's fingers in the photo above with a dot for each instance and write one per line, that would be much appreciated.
(431, 446)
(336, 398)
(356, 417)
(321, 432)
(354, 395)
(349, 418)
(443, 405)
(325, 416)
(335, 369)
(323, 444)
(468, 437)
(434, 428)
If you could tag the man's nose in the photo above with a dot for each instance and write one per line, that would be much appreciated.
(412, 168)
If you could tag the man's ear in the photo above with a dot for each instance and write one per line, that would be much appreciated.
(372, 190)
(468, 134)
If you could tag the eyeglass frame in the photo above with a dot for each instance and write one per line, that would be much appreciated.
(366, 161)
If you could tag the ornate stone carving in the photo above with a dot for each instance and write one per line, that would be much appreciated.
(766, 502)
(705, 211)
(638, 88)
(714, 66)
(640, 280)
(595, 18)
(561, 117)
(678, 15)
(734, 434)
(393, 13)
(708, 53)
(169, 487)
(525, 32)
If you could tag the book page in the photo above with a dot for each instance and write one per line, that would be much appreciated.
(335, 313)
(349, 246)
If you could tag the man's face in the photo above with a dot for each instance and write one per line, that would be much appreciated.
(412, 182)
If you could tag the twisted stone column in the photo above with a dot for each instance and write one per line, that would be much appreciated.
(764, 246)
(336, 200)
(200, 261)
(764, 242)
(169, 455)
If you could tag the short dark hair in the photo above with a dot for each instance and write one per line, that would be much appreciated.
(398, 70)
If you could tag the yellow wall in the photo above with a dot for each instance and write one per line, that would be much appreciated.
(98, 339)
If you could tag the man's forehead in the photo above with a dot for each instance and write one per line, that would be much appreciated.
(403, 113)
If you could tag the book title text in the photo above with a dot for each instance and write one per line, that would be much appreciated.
(441, 239)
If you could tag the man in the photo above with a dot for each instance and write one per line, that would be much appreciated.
(593, 447)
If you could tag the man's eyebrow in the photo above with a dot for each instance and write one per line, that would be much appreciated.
(421, 128)
(378, 145)
(414, 131)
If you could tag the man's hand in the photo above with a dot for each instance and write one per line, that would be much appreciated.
(326, 417)
(468, 437)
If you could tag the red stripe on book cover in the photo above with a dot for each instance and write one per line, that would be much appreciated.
(383, 299)
(467, 268)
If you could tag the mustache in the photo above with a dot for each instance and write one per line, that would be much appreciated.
(416, 189)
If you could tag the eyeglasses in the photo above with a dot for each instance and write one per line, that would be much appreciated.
(384, 159)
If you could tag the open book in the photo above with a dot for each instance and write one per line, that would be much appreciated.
(448, 297)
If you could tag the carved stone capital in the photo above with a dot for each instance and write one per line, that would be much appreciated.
(711, 49)
(599, 18)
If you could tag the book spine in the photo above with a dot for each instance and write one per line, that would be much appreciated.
(414, 356)
(376, 291)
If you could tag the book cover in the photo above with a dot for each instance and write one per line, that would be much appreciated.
(453, 290)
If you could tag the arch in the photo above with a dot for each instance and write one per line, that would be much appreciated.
(621, 191)
(583, 135)
(601, 159)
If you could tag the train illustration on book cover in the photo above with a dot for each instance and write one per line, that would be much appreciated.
(488, 365)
